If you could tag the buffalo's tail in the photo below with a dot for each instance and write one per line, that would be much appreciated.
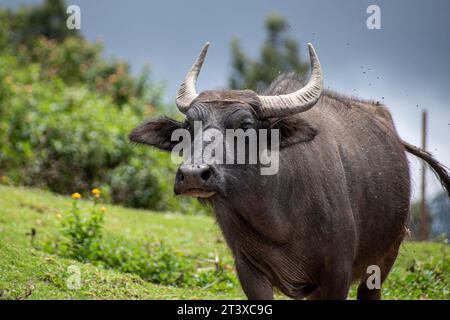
(439, 169)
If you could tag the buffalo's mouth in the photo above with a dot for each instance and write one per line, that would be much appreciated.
(198, 193)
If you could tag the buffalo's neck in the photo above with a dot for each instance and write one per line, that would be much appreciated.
(267, 208)
(260, 221)
(268, 239)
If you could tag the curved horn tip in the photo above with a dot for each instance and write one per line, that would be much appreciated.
(205, 47)
(187, 93)
(312, 51)
(300, 100)
(203, 53)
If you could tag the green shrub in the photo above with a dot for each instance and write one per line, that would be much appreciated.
(66, 112)
(77, 61)
(67, 138)
(427, 279)
(38, 34)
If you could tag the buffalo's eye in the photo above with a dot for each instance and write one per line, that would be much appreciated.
(189, 124)
(246, 125)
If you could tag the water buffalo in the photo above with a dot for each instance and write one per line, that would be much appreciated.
(339, 203)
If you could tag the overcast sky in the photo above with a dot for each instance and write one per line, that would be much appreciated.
(406, 63)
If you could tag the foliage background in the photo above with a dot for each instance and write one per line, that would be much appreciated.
(66, 112)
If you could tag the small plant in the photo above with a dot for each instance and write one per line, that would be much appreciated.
(82, 230)
(82, 238)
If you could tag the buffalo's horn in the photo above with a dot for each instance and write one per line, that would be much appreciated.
(187, 93)
(300, 100)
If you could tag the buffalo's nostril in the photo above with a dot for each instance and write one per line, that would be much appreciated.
(205, 175)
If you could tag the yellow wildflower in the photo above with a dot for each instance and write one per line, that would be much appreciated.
(96, 192)
(4, 179)
(76, 195)
(103, 209)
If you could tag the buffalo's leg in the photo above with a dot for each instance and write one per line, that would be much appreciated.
(315, 295)
(364, 293)
(253, 282)
(335, 282)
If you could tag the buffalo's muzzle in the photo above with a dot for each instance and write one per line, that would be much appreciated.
(194, 180)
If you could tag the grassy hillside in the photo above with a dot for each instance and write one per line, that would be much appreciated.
(422, 270)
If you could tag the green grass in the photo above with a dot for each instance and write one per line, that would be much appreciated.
(422, 270)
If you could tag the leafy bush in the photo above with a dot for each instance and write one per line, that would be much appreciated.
(81, 237)
(66, 112)
(427, 279)
(67, 138)
(77, 61)
(63, 138)
(21, 27)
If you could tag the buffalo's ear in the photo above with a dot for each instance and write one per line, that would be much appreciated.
(294, 130)
(157, 133)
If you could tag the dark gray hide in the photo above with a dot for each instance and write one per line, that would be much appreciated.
(339, 203)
